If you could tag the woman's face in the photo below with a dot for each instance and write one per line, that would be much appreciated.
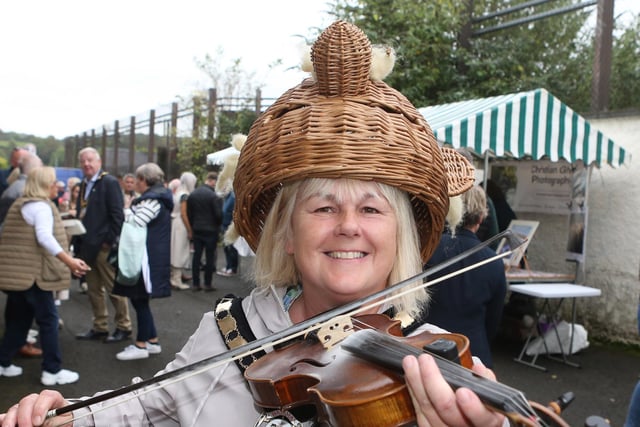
(53, 190)
(343, 242)
(141, 185)
(75, 192)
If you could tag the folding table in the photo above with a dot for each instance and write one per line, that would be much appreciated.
(557, 292)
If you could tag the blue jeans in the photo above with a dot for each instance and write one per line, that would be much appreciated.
(207, 242)
(146, 326)
(22, 308)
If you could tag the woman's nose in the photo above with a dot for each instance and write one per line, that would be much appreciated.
(348, 223)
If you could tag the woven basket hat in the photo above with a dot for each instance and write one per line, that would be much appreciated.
(343, 124)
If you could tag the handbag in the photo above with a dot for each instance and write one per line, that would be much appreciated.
(131, 247)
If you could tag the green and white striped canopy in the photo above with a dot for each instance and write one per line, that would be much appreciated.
(530, 124)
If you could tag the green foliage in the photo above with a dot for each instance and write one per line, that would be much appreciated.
(232, 122)
(192, 152)
(421, 33)
(625, 85)
(437, 64)
(235, 91)
(50, 150)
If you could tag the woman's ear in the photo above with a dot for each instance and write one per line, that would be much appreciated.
(288, 247)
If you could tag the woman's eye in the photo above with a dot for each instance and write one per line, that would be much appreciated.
(370, 210)
(323, 209)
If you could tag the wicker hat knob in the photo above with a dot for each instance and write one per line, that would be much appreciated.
(341, 59)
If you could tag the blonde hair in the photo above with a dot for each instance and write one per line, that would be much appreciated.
(72, 181)
(274, 267)
(39, 182)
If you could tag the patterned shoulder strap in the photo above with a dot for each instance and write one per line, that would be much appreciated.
(234, 328)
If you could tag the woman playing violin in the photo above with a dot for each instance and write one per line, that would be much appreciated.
(342, 191)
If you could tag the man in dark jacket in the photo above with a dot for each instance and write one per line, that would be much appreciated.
(204, 209)
(100, 207)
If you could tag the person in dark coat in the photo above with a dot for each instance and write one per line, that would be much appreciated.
(504, 213)
(470, 303)
(204, 210)
(100, 207)
(153, 211)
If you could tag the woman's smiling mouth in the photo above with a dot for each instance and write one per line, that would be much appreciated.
(347, 255)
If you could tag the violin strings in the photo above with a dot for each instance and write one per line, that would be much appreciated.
(499, 392)
(427, 284)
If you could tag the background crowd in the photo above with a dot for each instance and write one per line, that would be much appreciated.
(180, 221)
(194, 220)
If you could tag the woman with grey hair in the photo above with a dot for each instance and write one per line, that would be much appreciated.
(181, 231)
(153, 211)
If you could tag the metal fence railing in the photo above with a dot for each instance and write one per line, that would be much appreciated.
(156, 136)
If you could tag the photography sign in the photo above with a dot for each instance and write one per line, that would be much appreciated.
(535, 186)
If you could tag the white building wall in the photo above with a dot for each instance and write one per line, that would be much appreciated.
(613, 252)
(612, 261)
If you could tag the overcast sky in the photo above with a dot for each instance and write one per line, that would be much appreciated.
(68, 66)
(72, 65)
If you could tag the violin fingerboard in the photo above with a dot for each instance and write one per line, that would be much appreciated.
(385, 350)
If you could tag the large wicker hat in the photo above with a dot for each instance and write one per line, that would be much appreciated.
(344, 124)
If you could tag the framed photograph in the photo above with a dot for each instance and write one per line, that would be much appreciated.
(523, 229)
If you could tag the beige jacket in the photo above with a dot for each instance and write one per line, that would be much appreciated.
(23, 261)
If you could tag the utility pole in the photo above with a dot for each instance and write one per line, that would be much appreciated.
(600, 84)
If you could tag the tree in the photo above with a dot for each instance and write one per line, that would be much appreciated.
(625, 86)
(435, 65)
(235, 93)
(423, 33)
(49, 149)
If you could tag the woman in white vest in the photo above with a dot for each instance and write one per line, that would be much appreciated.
(35, 263)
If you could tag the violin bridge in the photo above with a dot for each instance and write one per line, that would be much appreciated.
(334, 331)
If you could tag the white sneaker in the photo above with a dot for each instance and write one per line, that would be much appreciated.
(10, 371)
(63, 376)
(153, 348)
(32, 336)
(132, 352)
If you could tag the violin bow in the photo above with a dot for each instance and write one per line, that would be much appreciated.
(302, 327)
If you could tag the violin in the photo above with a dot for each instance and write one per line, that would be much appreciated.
(359, 381)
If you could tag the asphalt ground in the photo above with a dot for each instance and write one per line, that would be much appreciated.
(602, 385)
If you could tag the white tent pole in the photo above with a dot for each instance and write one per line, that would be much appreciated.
(486, 169)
